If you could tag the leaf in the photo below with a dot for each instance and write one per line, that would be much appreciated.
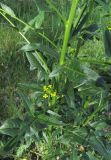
(7, 9)
(32, 60)
(30, 47)
(85, 156)
(45, 137)
(89, 32)
(90, 74)
(101, 61)
(42, 48)
(28, 104)
(41, 5)
(39, 20)
(49, 120)
(10, 144)
(32, 23)
(80, 15)
(71, 98)
(107, 42)
(101, 2)
(55, 72)
(74, 155)
(41, 61)
(21, 150)
(28, 86)
(35, 57)
(90, 154)
(11, 127)
(53, 113)
(80, 25)
(98, 146)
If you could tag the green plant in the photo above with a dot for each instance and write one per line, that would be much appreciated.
(62, 117)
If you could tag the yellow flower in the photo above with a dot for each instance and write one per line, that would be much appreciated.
(53, 94)
(45, 88)
(45, 96)
(50, 86)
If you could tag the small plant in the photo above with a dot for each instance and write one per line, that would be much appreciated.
(62, 116)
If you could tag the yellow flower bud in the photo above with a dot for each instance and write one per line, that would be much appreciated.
(50, 86)
(45, 88)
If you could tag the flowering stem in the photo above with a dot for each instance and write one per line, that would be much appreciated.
(68, 25)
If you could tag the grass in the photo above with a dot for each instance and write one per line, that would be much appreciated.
(14, 68)
(92, 49)
(9, 39)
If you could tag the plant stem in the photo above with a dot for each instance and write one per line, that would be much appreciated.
(68, 25)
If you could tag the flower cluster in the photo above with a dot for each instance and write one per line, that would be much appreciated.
(49, 92)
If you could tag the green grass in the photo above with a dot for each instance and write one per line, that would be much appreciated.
(9, 39)
(14, 68)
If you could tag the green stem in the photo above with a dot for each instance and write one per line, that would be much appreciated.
(7, 19)
(67, 30)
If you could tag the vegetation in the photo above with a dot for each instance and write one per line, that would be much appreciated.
(55, 85)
